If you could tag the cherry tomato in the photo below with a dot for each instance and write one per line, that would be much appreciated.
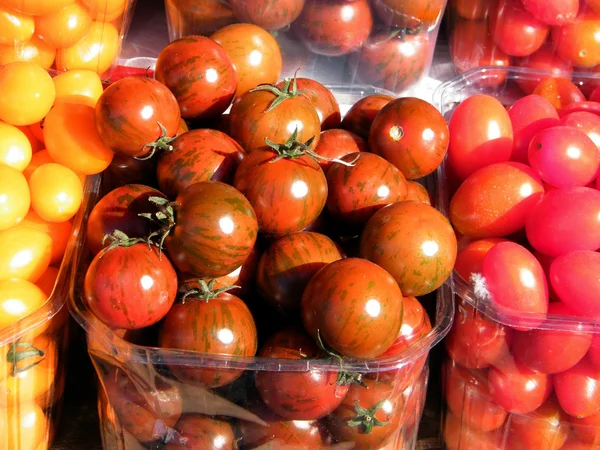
(587, 429)
(415, 14)
(337, 143)
(360, 116)
(417, 192)
(202, 432)
(587, 122)
(26, 253)
(36, 145)
(38, 159)
(59, 232)
(322, 99)
(18, 299)
(15, 148)
(78, 86)
(16, 27)
(472, 9)
(56, 192)
(553, 12)
(545, 60)
(582, 106)
(578, 42)
(25, 426)
(559, 91)
(199, 18)
(105, 10)
(65, 27)
(47, 281)
(458, 437)
(266, 14)
(470, 257)
(37, 7)
(34, 51)
(578, 389)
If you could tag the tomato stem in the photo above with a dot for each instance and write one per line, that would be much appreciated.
(206, 291)
(163, 143)
(344, 378)
(365, 418)
(164, 217)
(20, 351)
(120, 239)
(287, 91)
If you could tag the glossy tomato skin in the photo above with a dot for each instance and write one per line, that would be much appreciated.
(360, 116)
(200, 74)
(198, 155)
(336, 143)
(266, 14)
(578, 42)
(197, 431)
(414, 242)
(421, 14)
(129, 111)
(228, 225)
(584, 121)
(120, 209)
(287, 195)
(227, 329)
(471, 9)
(334, 28)
(470, 256)
(411, 134)
(306, 395)
(357, 192)
(129, 170)
(203, 18)
(578, 389)
(545, 59)
(457, 436)
(125, 298)
(415, 191)
(553, 12)
(333, 304)
(289, 263)
(560, 92)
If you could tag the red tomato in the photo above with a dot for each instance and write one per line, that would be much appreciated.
(545, 60)
(459, 437)
(578, 389)
(587, 122)
(472, 9)
(553, 12)
(417, 192)
(336, 143)
(266, 14)
(559, 91)
(587, 429)
(416, 14)
(202, 432)
(578, 42)
(594, 351)
(480, 134)
(580, 106)
(243, 276)
(360, 116)
(595, 95)
(470, 257)
(195, 17)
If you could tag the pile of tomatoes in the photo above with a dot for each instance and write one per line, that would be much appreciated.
(523, 370)
(275, 230)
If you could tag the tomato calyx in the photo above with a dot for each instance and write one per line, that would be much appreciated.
(344, 377)
(205, 291)
(120, 239)
(164, 217)
(288, 90)
(162, 143)
(21, 351)
(365, 418)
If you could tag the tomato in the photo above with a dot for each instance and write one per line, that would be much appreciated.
(412, 241)
(369, 415)
(336, 299)
(37, 7)
(72, 140)
(36, 145)
(267, 14)
(26, 253)
(15, 148)
(470, 257)
(193, 17)
(254, 53)
(65, 27)
(458, 437)
(27, 93)
(96, 51)
(578, 389)
(420, 14)
(202, 432)
(40, 158)
(360, 116)
(48, 280)
(334, 28)
(200, 75)
(587, 122)
(412, 135)
(105, 10)
(336, 143)
(553, 12)
(148, 413)
(227, 329)
(16, 27)
(587, 428)
(134, 298)
(472, 9)
(198, 155)
(552, 220)
(56, 192)
(287, 194)
(18, 299)
(129, 170)
(545, 60)
(14, 195)
(25, 427)
(289, 263)
(275, 114)
(228, 225)
(578, 43)
(417, 192)
(582, 106)
(59, 232)
(243, 276)
(78, 86)
(34, 51)
(559, 91)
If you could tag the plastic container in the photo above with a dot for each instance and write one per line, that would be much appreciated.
(384, 43)
(64, 35)
(140, 399)
(490, 355)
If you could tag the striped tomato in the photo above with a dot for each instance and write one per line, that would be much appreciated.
(361, 115)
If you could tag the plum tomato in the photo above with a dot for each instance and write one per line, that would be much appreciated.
(496, 200)
(137, 115)
(15, 147)
(574, 277)
(551, 351)
(360, 116)
(269, 112)
(560, 92)
(134, 298)
(528, 116)
(517, 389)
(267, 14)
(361, 186)
(578, 389)
(18, 299)
(515, 281)
(414, 242)
(369, 415)
(578, 42)
(458, 437)
(544, 60)
(287, 192)
(412, 135)
(307, 395)
(419, 14)
(227, 329)
(553, 12)
(354, 306)
(120, 209)
(416, 192)
(56, 192)
(289, 263)
(254, 52)
(467, 395)
(334, 28)
(584, 121)
(198, 155)
(470, 257)
(202, 432)
(560, 211)
(26, 253)
(15, 195)
(200, 74)
(336, 143)
(480, 134)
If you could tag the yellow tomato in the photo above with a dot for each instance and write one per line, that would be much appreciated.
(37, 7)
(14, 197)
(36, 145)
(96, 51)
(41, 157)
(56, 192)
(79, 86)
(59, 232)
(14, 26)
(65, 27)
(26, 426)
(18, 299)
(47, 281)
(72, 139)
(105, 10)
(26, 253)
(15, 148)
(27, 93)
(34, 50)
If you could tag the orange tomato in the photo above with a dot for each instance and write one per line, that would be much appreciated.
(14, 26)
(14, 197)
(78, 86)
(105, 10)
(26, 426)
(37, 129)
(578, 42)
(64, 27)
(559, 91)
(36, 145)
(56, 192)
(48, 280)
(72, 140)
(15, 148)
(37, 7)
(26, 253)
(59, 232)
(27, 93)
(41, 157)
(34, 50)
(18, 299)
(96, 51)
